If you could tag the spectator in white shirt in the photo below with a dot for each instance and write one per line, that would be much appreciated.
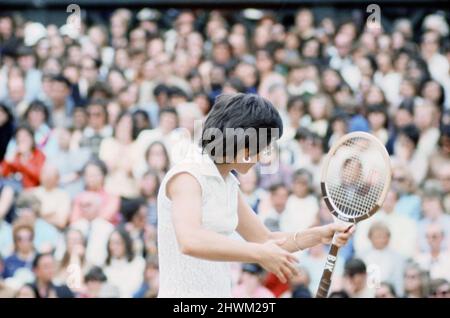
(55, 202)
(95, 229)
(403, 229)
(435, 261)
(387, 78)
(426, 119)
(122, 268)
(388, 263)
(438, 65)
(302, 206)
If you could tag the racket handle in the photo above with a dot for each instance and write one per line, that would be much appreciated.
(325, 281)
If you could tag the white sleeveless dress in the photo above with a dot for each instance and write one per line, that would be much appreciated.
(183, 276)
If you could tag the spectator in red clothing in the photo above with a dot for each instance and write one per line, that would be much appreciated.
(94, 178)
(27, 160)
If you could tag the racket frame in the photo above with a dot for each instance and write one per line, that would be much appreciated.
(325, 281)
(323, 186)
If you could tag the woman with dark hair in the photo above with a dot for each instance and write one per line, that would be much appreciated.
(73, 265)
(434, 92)
(6, 129)
(37, 116)
(157, 158)
(26, 161)
(123, 269)
(406, 153)
(94, 174)
(200, 206)
(118, 152)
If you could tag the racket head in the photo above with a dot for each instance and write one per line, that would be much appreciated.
(356, 176)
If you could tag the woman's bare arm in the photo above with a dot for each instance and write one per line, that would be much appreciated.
(252, 229)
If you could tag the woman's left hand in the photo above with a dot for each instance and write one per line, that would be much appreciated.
(343, 233)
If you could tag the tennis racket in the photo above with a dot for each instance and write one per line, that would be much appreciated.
(356, 176)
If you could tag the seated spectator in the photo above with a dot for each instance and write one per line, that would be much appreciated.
(73, 265)
(46, 236)
(168, 121)
(97, 127)
(94, 174)
(123, 268)
(60, 101)
(279, 195)
(378, 121)
(119, 154)
(23, 253)
(403, 230)
(433, 212)
(157, 159)
(406, 153)
(387, 263)
(415, 282)
(134, 213)
(436, 261)
(255, 196)
(409, 201)
(97, 285)
(69, 160)
(44, 268)
(37, 116)
(314, 156)
(320, 111)
(426, 120)
(355, 279)
(93, 226)
(302, 206)
(26, 161)
(55, 202)
(250, 285)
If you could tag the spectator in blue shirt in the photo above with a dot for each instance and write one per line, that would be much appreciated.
(24, 251)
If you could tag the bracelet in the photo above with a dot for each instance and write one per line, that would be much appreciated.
(295, 241)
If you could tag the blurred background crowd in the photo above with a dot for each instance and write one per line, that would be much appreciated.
(89, 120)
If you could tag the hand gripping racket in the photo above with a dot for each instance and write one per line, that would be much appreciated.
(356, 176)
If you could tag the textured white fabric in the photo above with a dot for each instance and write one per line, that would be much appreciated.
(183, 276)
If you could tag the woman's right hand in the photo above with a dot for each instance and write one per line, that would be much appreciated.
(276, 260)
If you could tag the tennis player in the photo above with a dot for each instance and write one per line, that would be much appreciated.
(200, 207)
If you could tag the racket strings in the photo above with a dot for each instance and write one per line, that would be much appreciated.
(358, 179)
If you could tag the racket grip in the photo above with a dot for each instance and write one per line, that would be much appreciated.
(325, 281)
